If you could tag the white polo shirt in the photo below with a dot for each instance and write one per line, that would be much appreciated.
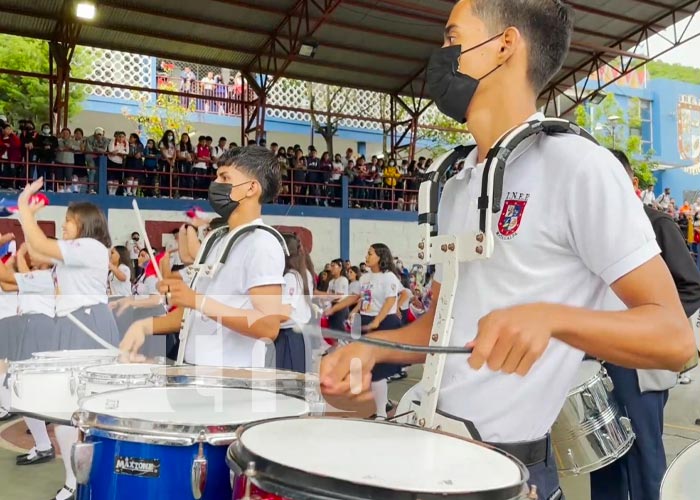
(293, 295)
(36, 293)
(81, 277)
(377, 288)
(256, 259)
(569, 228)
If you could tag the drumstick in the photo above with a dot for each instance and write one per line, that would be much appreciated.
(149, 249)
(90, 333)
(398, 346)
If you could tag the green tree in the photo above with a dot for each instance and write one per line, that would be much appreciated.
(678, 72)
(616, 134)
(167, 112)
(447, 133)
(27, 97)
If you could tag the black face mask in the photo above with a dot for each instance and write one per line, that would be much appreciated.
(451, 90)
(220, 198)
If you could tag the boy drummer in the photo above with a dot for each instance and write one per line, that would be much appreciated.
(532, 309)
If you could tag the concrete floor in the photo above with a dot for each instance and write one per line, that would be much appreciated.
(40, 482)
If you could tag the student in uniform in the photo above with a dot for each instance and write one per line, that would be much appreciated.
(642, 394)
(81, 261)
(531, 310)
(337, 312)
(354, 287)
(377, 306)
(37, 333)
(290, 348)
(237, 313)
(120, 272)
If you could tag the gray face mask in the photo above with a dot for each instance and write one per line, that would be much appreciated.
(220, 198)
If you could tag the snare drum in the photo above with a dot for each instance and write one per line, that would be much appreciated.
(590, 432)
(300, 385)
(680, 480)
(335, 458)
(46, 388)
(158, 443)
(104, 378)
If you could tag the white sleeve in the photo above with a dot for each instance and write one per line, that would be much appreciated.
(84, 252)
(607, 226)
(150, 285)
(291, 285)
(37, 282)
(127, 272)
(391, 285)
(264, 263)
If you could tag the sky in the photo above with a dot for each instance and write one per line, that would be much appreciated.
(687, 54)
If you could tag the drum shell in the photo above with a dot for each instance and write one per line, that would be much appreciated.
(174, 477)
(590, 432)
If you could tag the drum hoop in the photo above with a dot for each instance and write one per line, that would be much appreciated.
(588, 383)
(40, 354)
(55, 365)
(88, 376)
(285, 375)
(288, 481)
(673, 462)
(147, 431)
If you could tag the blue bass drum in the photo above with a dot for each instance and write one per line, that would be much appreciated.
(158, 443)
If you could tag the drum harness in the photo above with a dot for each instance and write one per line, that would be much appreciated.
(449, 251)
(201, 269)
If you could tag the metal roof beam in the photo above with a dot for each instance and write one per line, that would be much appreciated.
(298, 26)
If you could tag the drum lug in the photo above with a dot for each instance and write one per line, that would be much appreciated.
(73, 382)
(627, 424)
(608, 383)
(574, 466)
(588, 400)
(81, 460)
(199, 473)
(17, 384)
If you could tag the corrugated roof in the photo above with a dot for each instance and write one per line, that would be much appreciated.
(377, 44)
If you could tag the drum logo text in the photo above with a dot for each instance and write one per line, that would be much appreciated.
(140, 467)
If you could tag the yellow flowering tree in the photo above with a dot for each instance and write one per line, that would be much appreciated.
(167, 112)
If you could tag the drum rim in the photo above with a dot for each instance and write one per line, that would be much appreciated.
(59, 365)
(267, 473)
(91, 377)
(37, 354)
(147, 431)
(670, 466)
(589, 382)
(288, 374)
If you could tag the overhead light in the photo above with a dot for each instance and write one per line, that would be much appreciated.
(308, 49)
(85, 10)
(598, 98)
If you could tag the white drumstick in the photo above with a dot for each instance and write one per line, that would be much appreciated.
(149, 249)
(90, 333)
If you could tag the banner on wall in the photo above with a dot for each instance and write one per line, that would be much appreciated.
(688, 121)
(636, 79)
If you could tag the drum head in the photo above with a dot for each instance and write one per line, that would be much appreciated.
(589, 368)
(182, 410)
(322, 458)
(680, 479)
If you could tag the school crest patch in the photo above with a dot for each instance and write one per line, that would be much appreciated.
(512, 215)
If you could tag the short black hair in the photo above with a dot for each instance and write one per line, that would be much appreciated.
(274, 144)
(251, 142)
(256, 162)
(222, 139)
(622, 158)
(208, 138)
(547, 26)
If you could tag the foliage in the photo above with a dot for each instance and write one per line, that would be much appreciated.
(616, 134)
(28, 97)
(442, 140)
(678, 72)
(167, 112)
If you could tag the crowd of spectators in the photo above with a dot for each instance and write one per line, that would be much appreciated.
(176, 166)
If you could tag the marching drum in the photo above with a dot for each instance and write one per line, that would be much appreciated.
(590, 433)
(334, 458)
(46, 388)
(305, 386)
(680, 480)
(103, 378)
(158, 443)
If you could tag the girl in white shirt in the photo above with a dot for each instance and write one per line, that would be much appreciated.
(378, 306)
(37, 333)
(117, 150)
(337, 312)
(81, 261)
(120, 272)
(290, 348)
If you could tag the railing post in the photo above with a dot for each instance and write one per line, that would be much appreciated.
(345, 185)
(102, 175)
